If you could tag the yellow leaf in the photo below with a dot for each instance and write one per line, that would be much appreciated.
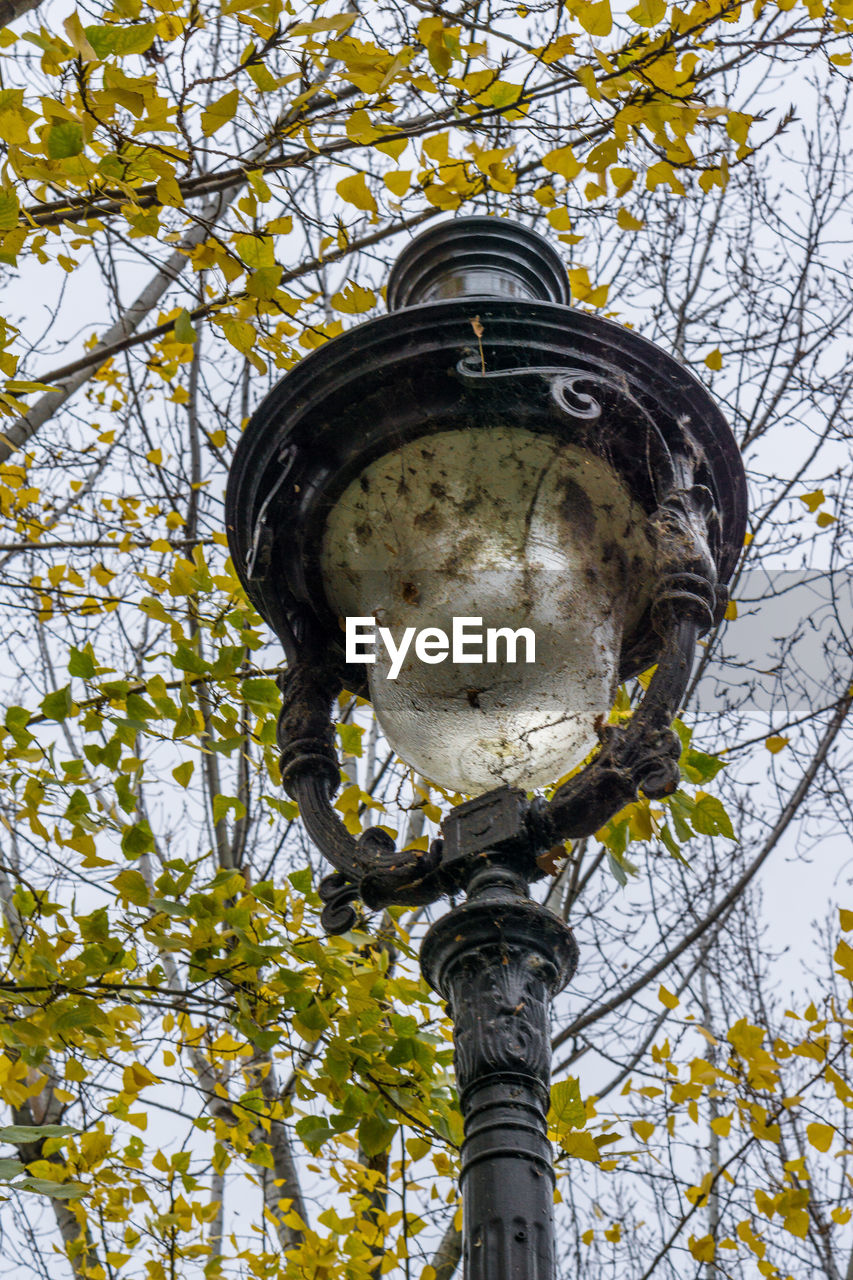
(240, 334)
(595, 19)
(581, 1145)
(559, 218)
(846, 919)
(588, 1236)
(353, 299)
(398, 181)
(78, 39)
(338, 23)
(663, 172)
(825, 519)
(155, 457)
(797, 1223)
(731, 611)
(169, 193)
(643, 1129)
(737, 126)
(614, 1233)
(844, 959)
(841, 1216)
(648, 13)
(361, 129)
(183, 773)
(666, 998)
(136, 1077)
(775, 743)
(354, 191)
(702, 1248)
(219, 112)
(437, 147)
(563, 162)
(557, 49)
(721, 1125)
(820, 1136)
(628, 222)
(813, 500)
(622, 178)
(714, 359)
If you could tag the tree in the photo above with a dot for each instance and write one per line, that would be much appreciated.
(193, 196)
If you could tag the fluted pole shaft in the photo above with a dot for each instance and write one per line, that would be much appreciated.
(498, 959)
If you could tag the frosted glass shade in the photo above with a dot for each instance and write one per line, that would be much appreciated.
(520, 531)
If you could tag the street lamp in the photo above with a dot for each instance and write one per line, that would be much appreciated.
(487, 452)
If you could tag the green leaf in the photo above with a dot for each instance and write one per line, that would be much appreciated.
(137, 839)
(681, 811)
(184, 331)
(170, 908)
(567, 1108)
(261, 1154)
(10, 1169)
(8, 209)
(314, 1131)
(222, 805)
(710, 818)
(57, 1190)
(183, 773)
(617, 870)
(350, 736)
(669, 842)
(64, 139)
(301, 880)
(375, 1134)
(261, 695)
(186, 659)
(57, 705)
(698, 767)
(121, 41)
(131, 885)
(34, 1132)
(81, 663)
(16, 721)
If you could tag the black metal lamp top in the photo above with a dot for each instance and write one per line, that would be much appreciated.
(549, 368)
(481, 257)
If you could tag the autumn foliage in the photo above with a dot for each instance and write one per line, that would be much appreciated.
(194, 195)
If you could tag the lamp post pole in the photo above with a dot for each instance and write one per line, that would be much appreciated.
(482, 335)
(498, 959)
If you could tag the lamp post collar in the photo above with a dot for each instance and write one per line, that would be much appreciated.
(477, 257)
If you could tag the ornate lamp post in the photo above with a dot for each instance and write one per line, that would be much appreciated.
(485, 452)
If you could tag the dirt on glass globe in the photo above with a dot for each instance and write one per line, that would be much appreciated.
(520, 531)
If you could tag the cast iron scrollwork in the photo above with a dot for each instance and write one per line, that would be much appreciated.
(566, 389)
(370, 867)
(563, 384)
